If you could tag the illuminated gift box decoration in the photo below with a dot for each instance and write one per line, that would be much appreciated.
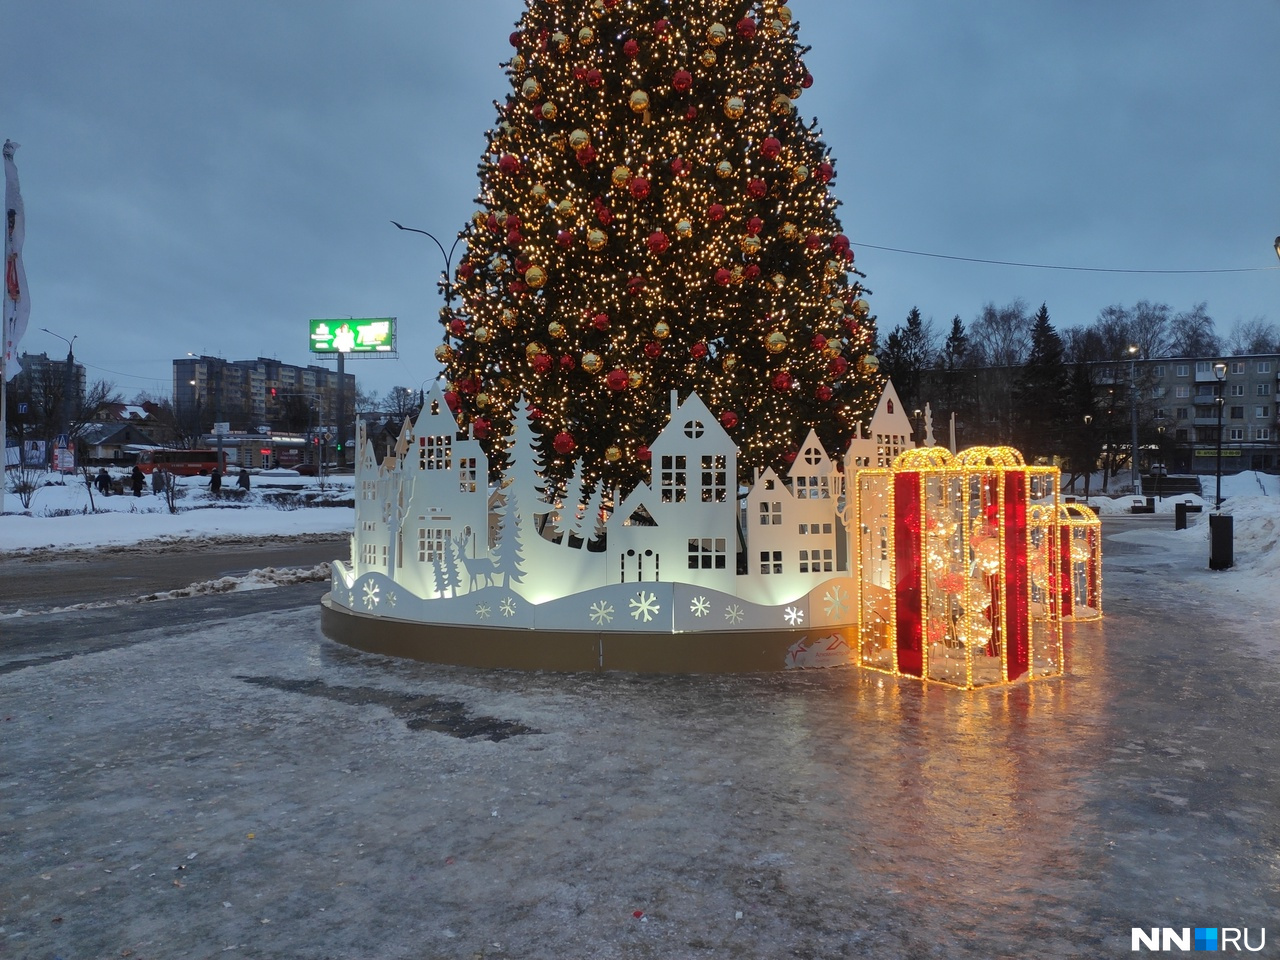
(1079, 545)
(957, 569)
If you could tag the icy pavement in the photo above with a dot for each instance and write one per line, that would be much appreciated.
(256, 790)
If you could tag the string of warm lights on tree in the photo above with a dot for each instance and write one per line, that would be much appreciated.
(656, 215)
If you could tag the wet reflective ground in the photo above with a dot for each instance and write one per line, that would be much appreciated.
(825, 814)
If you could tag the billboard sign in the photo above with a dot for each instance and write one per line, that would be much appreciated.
(354, 336)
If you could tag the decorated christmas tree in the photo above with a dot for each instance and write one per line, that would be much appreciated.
(655, 215)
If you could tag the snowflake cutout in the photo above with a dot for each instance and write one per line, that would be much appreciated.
(370, 595)
(391, 597)
(644, 605)
(733, 613)
(483, 610)
(508, 607)
(351, 599)
(794, 616)
(601, 612)
(700, 607)
(837, 602)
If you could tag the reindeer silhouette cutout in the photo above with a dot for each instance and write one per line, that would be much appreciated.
(478, 568)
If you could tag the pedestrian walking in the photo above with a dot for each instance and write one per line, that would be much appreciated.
(242, 481)
(157, 481)
(139, 480)
(103, 481)
(215, 482)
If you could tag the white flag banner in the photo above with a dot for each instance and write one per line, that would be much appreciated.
(17, 304)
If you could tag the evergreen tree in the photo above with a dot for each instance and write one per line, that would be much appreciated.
(1042, 393)
(907, 354)
(508, 550)
(655, 215)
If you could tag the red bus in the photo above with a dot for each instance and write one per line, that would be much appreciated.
(181, 463)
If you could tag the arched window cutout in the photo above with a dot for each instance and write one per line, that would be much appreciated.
(889, 408)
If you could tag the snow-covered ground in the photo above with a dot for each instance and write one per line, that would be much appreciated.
(61, 518)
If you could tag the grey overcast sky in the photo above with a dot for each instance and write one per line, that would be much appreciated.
(205, 177)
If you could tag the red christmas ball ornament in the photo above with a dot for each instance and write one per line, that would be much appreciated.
(682, 80)
(639, 188)
(513, 222)
(838, 367)
(782, 381)
(678, 166)
(757, 188)
(492, 223)
(514, 39)
(807, 80)
(790, 455)
(616, 379)
(567, 362)
(635, 286)
(565, 239)
(698, 350)
(770, 148)
(724, 276)
(604, 215)
(514, 238)
(746, 28)
(631, 49)
(580, 74)
(715, 212)
(819, 342)
(813, 241)
(542, 363)
(728, 419)
(660, 28)
(563, 443)
(458, 327)
(469, 385)
(600, 321)
(691, 113)
(840, 244)
(658, 242)
(754, 226)
(826, 171)
(644, 454)
(594, 78)
(451, 400)
(586, 156)
(653, 349)
(751, 272)
(823, 393)
(517, 286)
(535, 413)
(509, 164)
(466, 269)
(480, 428)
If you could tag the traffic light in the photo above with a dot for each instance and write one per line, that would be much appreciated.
(339, 446)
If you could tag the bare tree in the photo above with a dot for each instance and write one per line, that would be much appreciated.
(1253, 336)
(1192, 333)
(1002, 335)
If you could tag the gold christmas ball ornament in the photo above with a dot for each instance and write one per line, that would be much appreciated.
(729, 362)
(531, 89)
(789, 231)
(483, 334)
(724, 169)
(775, 342)
(596, 239)
(835, 306)
(535, 276)
(549, 111)
(501, 217)
(833, 349)
(869, 363)
(498, 264)
(861, 309)
(444, 353)
(783, 13)
(597, 8)
(539, 193)
(750, 245)
(578, 139)
(586, 35)
(560, 41)
(635, 379)
(833, 268)
(517, 63)
(717, 34)
(782, 104)
(684, 229)
(779, 280)
(621, 176)
(479, 218)
(565, 208)
(613, 454)
(507, 317)
(483, 400)
(661, 330)
(559, 142)
(639, 101)
(799, 173)
(556, 329)
(708, 58)
(591, 362)
(734, 108)
(531, 350)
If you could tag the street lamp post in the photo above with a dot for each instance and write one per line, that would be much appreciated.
(68, 381)
(1159, 467)
(1088, 472)
(1135, 477)
(1219, 371)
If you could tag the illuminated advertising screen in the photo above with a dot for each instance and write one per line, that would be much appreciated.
(354, 336)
